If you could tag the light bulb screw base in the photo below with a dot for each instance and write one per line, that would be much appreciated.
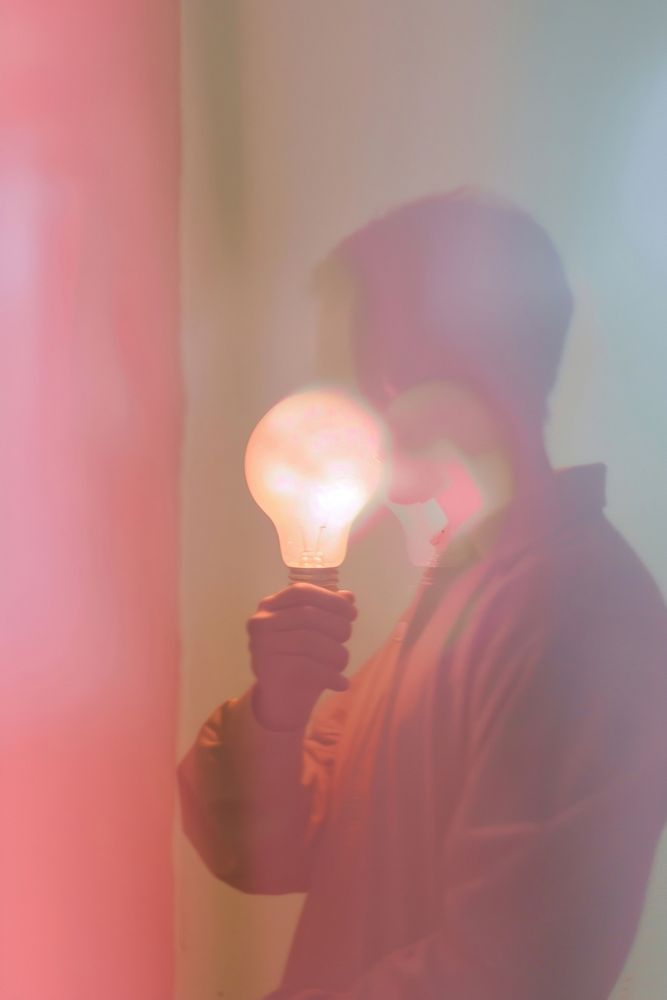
(320, 576)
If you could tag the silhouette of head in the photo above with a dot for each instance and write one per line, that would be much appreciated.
(463, 287)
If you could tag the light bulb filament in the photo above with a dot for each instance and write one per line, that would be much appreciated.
(312, 556)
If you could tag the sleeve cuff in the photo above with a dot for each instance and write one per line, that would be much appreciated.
(272, 755)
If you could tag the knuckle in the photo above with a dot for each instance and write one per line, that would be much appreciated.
(335, 655)
(345, 631)
(251, 625)
(254, 648)
(344, 656)
(255, 623)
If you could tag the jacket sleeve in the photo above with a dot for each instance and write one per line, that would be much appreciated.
(253, 801)
(546, 862)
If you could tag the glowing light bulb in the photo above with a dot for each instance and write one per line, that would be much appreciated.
(312, 464)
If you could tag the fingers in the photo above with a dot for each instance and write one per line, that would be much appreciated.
(296, 642)
(300, 674)
(296, 618)
(339, 602)
(304, 643)
(348, 595)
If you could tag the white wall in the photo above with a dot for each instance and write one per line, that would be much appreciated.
(302, 119)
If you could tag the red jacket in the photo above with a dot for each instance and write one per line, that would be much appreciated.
(476, 817)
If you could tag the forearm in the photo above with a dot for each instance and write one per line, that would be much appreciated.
(245, 807)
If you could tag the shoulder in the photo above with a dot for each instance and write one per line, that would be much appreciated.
(579, 615)
(583, 581)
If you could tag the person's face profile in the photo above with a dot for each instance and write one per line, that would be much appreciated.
(430, 420)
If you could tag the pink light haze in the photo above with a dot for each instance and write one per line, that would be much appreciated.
(90, 403)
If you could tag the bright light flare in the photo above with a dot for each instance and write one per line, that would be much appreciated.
(312, 464)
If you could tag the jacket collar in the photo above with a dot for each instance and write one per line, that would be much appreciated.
(562, 497)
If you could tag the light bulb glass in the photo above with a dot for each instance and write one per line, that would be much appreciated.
(312, 464)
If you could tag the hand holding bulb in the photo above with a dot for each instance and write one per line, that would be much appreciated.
(312, 463)
(297, 646)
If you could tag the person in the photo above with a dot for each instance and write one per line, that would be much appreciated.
(474, 813)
